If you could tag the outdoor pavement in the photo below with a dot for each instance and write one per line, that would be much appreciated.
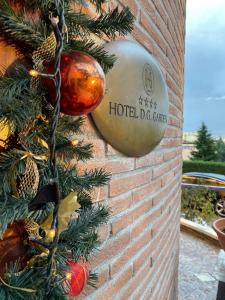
(198, 259)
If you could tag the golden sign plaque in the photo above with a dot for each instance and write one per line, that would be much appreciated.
(133, 115)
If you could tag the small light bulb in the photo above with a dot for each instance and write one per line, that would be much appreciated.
(93, 81)
(74, 142)
(68, 276)
(51, 233)
(33, 73)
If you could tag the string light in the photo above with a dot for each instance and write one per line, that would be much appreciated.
(51, 233)
(35, 73)
(74, 142)
(68, 275)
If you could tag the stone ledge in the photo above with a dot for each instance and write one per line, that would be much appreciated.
(206, 233)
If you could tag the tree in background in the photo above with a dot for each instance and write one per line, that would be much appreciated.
(198, 204)
(204, 145)
(48, 223)
(220, 150)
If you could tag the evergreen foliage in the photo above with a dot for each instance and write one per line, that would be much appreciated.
(25, 110)
(220, 150)
(198, 204)
(203, 166)
(204, 145)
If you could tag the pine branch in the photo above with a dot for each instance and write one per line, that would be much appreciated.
(98, 4)
(71, 181)
(92, 279)
(40, 215)
(91, 179)
(19, 34)
(6, 7)
(70, 124)
(16, 83)
(21, 112)
(110, 24)
(18, 102)
(10, 167)
(29, 278)
(35, 4)
(19, 280)
(12, 210)
(105, 60)
(84, 200)
(7, 160)
(81, 237)
(80, 151)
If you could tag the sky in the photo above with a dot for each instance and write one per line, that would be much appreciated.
(204, 97)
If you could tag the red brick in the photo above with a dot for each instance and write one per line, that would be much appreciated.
(120, 165)
(173, 85)
(173, 110)
(160, 8)
(142, 259)
(174, 122)
(112, 151)
(112, 248)
(103, 277)
(165, 191)
(135, 283)
(174, 99)
(143, 38)
(152, 30)
(172, 132)
(142, 290)
(149, 8)
(112, 166)
(88, 127)
(168, 178)
(146, 191)
(171, 142)
(104, 232)
(153, 158)
(144, 223)
(132, 6)
(120, 204)
(160, 170)
(115, 285)
(141, 209)
(129, 181)
(129, 252)
(121, 223)
(99, 193)
(169, 155)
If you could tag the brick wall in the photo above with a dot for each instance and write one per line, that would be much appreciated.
(139, 256)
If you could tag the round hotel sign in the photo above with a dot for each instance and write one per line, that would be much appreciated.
(134, 112)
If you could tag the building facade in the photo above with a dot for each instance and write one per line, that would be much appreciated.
(140, 250)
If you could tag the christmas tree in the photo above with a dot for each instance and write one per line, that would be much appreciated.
(48, 223)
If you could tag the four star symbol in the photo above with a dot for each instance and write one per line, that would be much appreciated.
(147, 103)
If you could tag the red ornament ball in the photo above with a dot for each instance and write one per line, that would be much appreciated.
(83, 83)
(77, 277)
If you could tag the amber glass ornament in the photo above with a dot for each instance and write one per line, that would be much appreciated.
(77, 277)
(12, 246)
(83, 83)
